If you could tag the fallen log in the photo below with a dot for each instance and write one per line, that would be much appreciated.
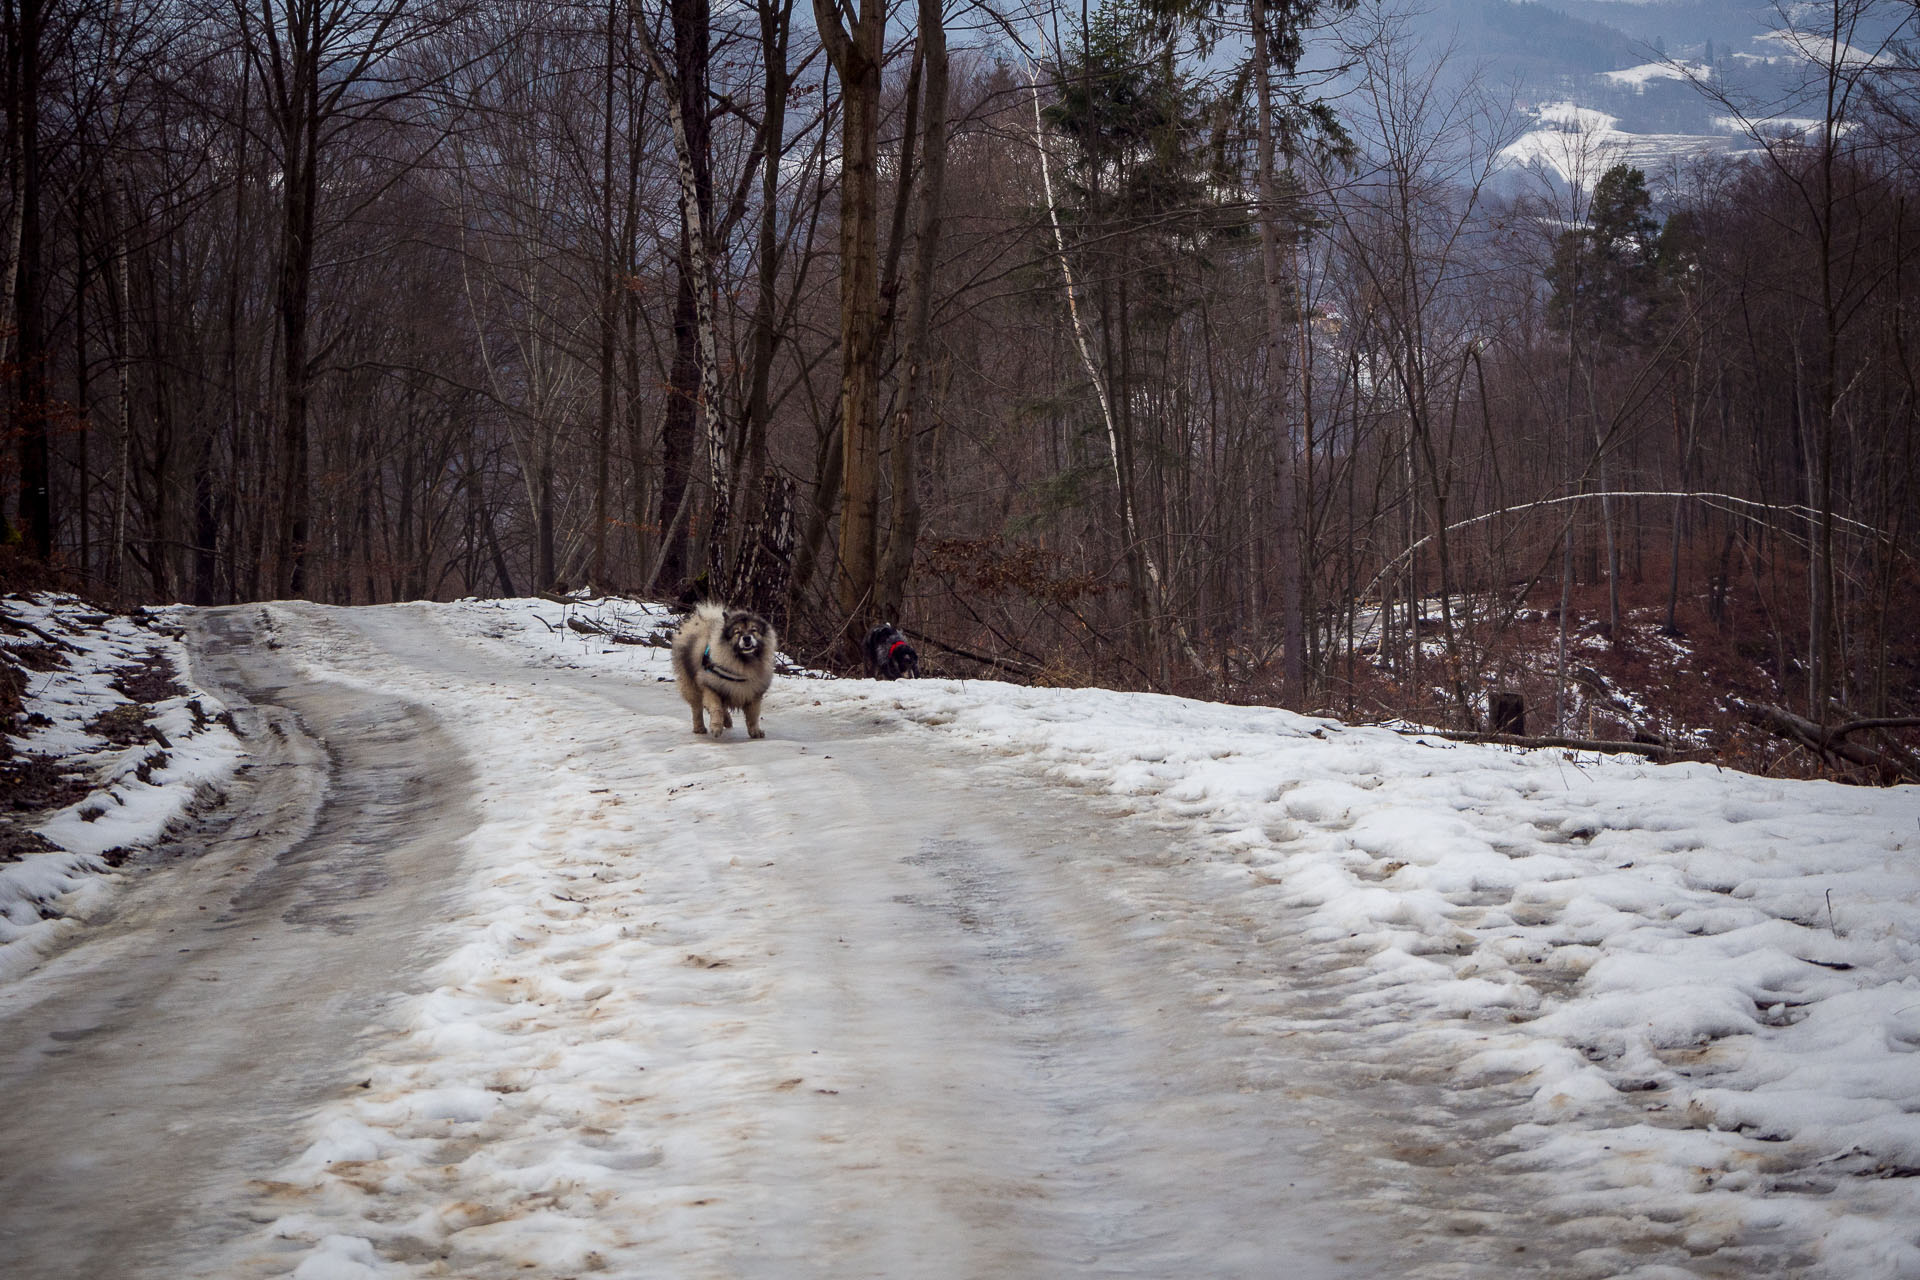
(1830, 743)
(48, 636)
(1658, 751)
(999, 664)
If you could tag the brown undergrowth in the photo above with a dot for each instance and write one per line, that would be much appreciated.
(1014, 616)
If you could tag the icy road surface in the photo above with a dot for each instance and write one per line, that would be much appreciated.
(151, 1071)
(503, 972)
(827, 1004)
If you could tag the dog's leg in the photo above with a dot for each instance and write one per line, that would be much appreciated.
(699, 717)
(752, 712)
(717, 716)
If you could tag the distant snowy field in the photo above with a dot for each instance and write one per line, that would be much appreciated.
(1638, 78)
(1709, 982)
(1577, 144)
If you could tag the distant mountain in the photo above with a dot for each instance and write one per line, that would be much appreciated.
(1531, 42)
(1683, 28)
(1618, 77)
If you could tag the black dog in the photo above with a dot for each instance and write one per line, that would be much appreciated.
(889, 656)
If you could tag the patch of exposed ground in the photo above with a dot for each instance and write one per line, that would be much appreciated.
(16, 841)
(41, 784)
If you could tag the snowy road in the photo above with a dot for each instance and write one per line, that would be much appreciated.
(895, 1032)
(493, 969)
(884, 1029)
(150, 1072)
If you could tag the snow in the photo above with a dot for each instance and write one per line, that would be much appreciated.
(1823, 51)
(1695, 992)
(341, 1258)
(1638, 78)
(1704, 985)
(1578, 144)
(137, 791)
(1805, 128)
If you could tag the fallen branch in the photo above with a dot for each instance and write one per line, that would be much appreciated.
(1829, 744)
(49, 637)
(1884, 722)
(1651, 750)
(1009, 664)
(1724, 501)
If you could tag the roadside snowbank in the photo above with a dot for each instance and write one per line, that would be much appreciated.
(1709, 982)
(137, 761)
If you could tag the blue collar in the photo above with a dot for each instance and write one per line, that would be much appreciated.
(707, 664)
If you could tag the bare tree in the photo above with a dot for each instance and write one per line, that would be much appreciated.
(854, 38)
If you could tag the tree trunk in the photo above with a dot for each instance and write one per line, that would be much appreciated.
(856, 57)
(685, 89)
(609, 303)
(296, 111)
(30, 355)
(915, 399)
(676, 432)
(1287, 550)
(748, 583)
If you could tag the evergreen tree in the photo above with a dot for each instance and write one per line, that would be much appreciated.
(1605, 275)
(1134, 120)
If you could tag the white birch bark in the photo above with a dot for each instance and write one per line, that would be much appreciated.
(701, 266)
(1129, 525)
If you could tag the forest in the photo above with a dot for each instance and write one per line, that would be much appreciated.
(1205, 348)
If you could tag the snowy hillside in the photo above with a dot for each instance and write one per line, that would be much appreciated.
(1599, 83)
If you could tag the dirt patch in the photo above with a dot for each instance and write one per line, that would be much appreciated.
(41, 784)
(16, 842)
(13, 690)
(152, 679)
(125, 725)
(36, 657)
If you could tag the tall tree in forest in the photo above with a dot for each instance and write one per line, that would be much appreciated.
(1143, 197)
(1289, 119)
(1603, 273)
(684, 84)
(24, 28)
(1279, 31)
(617, 15)
(855, 42)
(695, 328)
(1408, 221)
(914, 396)
(1603, 277)
(328, 68)
(758, 548)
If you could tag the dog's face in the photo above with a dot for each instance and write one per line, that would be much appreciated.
(745, 633)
